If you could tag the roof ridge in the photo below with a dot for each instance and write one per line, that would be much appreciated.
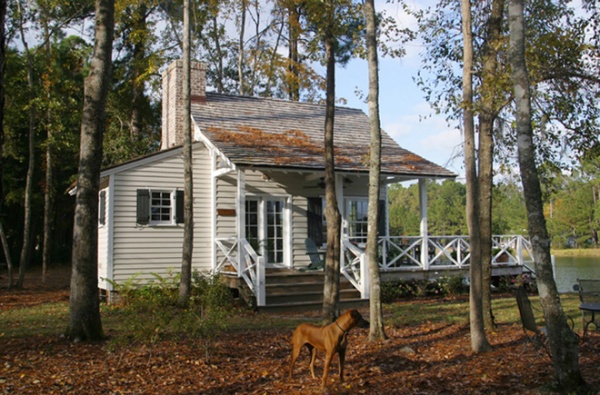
(279, 100)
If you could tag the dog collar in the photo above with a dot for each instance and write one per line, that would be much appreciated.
(338, 325)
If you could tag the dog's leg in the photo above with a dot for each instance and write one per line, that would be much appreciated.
(313, 356)
(342, 354)
(295, 353)
(328, 357)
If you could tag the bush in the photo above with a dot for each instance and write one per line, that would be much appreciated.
(150, 312)
(392, 291)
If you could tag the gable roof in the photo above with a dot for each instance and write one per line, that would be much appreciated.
(277, 133)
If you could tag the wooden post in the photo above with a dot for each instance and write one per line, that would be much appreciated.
(241, 219)
(424, 231)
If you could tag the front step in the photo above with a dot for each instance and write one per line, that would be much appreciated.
(294, 290)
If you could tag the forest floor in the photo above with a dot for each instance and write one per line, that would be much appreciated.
(418, 358)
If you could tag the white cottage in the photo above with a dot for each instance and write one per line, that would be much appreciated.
(258, 188)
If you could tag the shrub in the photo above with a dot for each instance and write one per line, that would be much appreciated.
(150, 312)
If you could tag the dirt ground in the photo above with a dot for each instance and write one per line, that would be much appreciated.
(424, 359)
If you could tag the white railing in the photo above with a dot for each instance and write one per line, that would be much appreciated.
(405, 252)
(396, 253)
(246, 262)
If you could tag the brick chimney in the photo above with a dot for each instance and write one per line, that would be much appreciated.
(172, 99)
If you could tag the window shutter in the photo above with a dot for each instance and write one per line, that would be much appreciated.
(314, 214)
(179, 207)
(102, 208)
(143, 206)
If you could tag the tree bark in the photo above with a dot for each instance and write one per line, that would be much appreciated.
(294, 59)
(3, 238)
(479, 342)
(50, 190)
(25, 247)
(241, 46)
(376, 331)
(185, 284)
(331, 289)
(564, 343)
(487, 117)
(85, 322)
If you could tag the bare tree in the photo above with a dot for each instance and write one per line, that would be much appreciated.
(25, 247)
(564, 343)
(376, 331)
(185, 284)
(3, 238)
(331, 289)
(85, 322)
(479, 340)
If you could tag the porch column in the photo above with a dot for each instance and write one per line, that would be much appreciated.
(240, 218)
(423, 227)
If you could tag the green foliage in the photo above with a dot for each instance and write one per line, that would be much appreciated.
(150, 313)
(392, 291)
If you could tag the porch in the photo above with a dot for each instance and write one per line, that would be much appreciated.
(400, 257)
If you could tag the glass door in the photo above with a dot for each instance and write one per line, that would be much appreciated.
(265, 228)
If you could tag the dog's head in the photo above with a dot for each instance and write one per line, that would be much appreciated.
(356, 319)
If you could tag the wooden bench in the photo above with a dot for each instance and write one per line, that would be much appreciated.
(589, 296)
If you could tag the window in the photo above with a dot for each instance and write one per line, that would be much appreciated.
(358, 219)
(159, 207)
(102, 208)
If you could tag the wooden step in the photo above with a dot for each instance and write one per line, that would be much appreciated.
(292, 290)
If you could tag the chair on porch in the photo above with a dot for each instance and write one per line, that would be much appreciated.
(317, 258)
(539, 337)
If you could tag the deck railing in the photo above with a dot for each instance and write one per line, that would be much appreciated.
(414, 253)
(396, 253)
(239, 254)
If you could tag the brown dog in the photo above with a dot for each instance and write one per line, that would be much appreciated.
(329, 338)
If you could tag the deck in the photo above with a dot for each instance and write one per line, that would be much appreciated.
(401, 257)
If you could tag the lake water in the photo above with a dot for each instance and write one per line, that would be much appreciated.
(569, 269)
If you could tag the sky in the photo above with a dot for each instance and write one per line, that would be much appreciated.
(405, 114)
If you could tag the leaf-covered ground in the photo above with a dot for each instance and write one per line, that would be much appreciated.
(423, 359)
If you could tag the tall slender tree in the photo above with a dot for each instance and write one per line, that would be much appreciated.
(376, 331)
(331, 289)
(564, 343)
(479, 340)
(185, 284)
(3, 238)
(85, 322)
(25, 246)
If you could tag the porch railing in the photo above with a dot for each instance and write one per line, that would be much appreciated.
(414, 253)
(396, 253)
(247, 264)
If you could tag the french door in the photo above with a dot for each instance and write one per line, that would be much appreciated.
(266, 228)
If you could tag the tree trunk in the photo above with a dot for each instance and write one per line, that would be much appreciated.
(486, 152)
(331, 289)
(241, 46)
(24, 256)
(85, 322)
(564, 343)
(49, 193)
(185, 284)
(479, 340)
(376, 331)
(3, 238)
(294, 29)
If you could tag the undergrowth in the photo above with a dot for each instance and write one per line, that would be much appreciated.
(150, 313)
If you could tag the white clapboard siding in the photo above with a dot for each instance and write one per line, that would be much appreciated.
(139, 250)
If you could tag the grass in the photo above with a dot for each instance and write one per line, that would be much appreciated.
(52, 318)
(582, 252)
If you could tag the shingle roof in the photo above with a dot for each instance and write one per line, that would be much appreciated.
(278, 133)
